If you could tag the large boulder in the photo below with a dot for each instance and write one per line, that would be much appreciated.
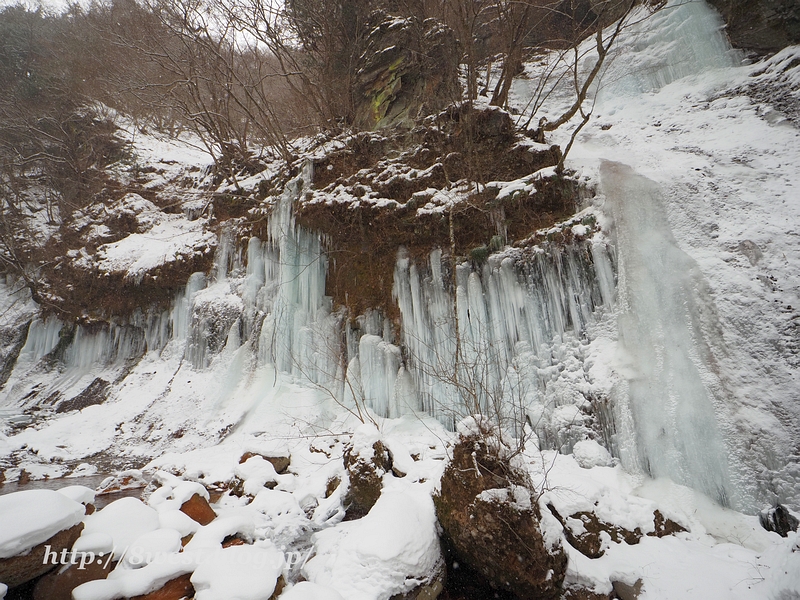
(491, 520)
(366, 461)
(778, 519)
(59, 583)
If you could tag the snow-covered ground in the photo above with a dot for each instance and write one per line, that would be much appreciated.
(698, 189)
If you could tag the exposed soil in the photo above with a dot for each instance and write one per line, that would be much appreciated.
(362, 238)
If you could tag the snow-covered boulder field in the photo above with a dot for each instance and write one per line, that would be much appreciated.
(268, 535)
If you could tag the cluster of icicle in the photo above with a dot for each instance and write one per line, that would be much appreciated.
(460, 343)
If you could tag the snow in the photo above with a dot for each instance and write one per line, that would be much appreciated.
(255, 472)
(239, 573)
(78, 493)
(31, 517)
(389, 551)
(588, 454)
(147, 547)
(173, 239)
(126, 583)
(124, 520)
(305, 590)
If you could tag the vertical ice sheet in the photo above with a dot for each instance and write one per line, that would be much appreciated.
(673, 427)
(42, 338)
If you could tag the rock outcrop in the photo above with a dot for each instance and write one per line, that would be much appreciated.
(366, 461)
(761, 25)
(408, 69)
(490, 518)
(778, 519)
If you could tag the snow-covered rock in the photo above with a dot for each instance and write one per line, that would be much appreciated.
(30, 517)
(391, 550)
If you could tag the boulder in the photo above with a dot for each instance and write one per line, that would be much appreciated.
(59, 583)
(366, 461)
(17, 570)
(198, 509)
(777, 519)
(36, 526)
(491, 521)
(625, 591)
(281, 463)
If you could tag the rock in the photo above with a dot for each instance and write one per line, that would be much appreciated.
(59, 583)
(409, 68)
(331, 486)
(751, 250)
(175, 589)
(95, 393)
(16, 570)
(233, 540)
(366, 465)
(625, 591)
(427, 591)
(197, 508)
(24, 478)
(581, 593)
(281, 463)
(777, 519)
(761, 25)
(280, 585)
(584, 531)
(490, 520)
(127, 480)
(665, 526)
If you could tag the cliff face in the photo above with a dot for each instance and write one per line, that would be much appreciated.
(761, 25)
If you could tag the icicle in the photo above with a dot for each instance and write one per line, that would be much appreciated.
(508, 311)
(42, 338)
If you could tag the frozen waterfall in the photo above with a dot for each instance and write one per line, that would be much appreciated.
(666, 413)
(685, 37)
